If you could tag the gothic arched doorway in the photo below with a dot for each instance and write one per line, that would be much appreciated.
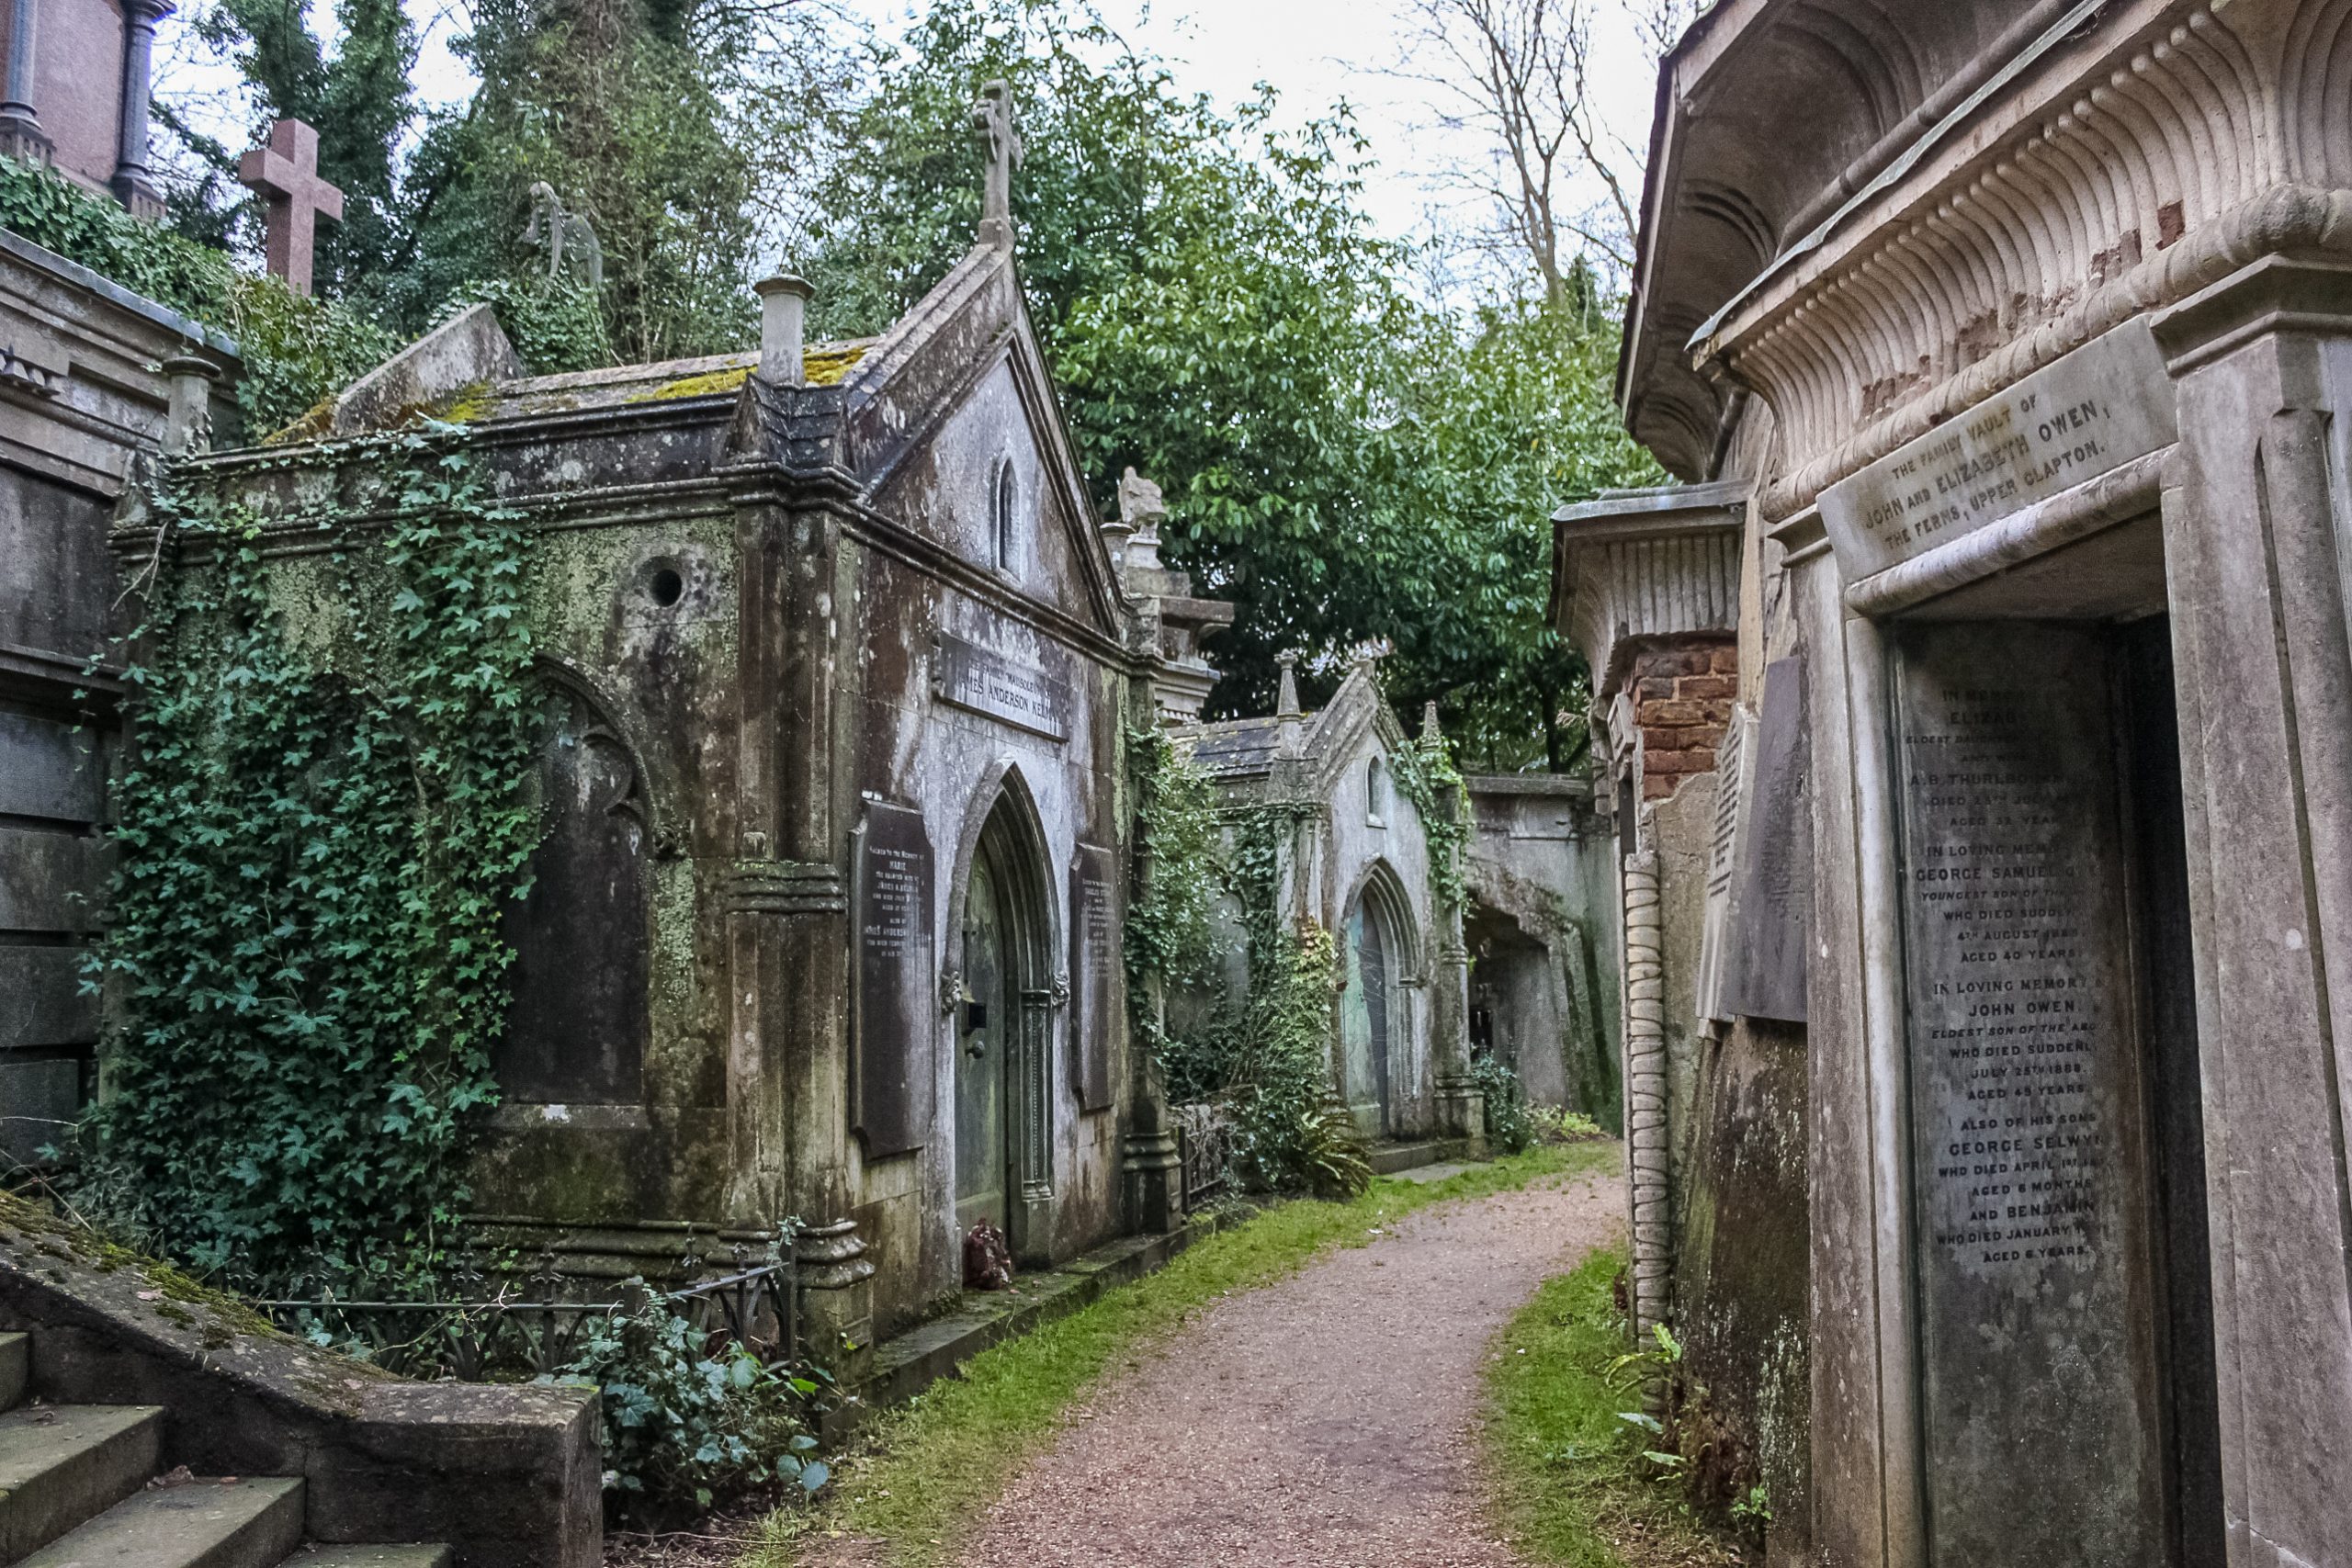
(1373, 1005)
(1003, 1033)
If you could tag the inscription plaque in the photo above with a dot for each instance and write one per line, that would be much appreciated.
(898, 1006)
(2040, 1403)
(1093, 972)
(1771, 899)
(1716, 930)
(2075, 419)
(984, 682)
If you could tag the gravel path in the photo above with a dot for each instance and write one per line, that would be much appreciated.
(1329, 1420)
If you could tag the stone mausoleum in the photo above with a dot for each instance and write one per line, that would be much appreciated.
(1355, 857)
(2008, 347)
(825, 919)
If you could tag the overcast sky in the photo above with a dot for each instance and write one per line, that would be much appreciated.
(1316, 52)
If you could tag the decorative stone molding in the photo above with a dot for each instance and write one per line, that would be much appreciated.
(1645, 1094)
(2025, 222)
(784, 888)
(1634, 566)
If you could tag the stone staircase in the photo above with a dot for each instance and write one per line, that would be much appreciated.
(79, 1488)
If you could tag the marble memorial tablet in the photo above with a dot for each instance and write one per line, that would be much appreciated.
(984, 682)
(1093, 972)
(2040, 1403)
(1772, 897)
(897, 1011)
(2096, 408)
(1717, 931)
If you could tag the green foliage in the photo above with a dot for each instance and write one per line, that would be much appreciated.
(1510, 1121)
(1345, 460)
(1425, 775)
(1569, 1479)
(295, 350)
(1170, 930)
(555, 324)
(359, 100)
(304, 935)
(684, 1421)
(933, 1466)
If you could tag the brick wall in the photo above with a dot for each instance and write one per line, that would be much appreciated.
(1682, 690)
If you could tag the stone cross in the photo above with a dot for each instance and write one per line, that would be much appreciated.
(999, 139)
(287, 171)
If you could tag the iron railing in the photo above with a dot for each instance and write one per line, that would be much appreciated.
(1204, 1141)
(534, 1330)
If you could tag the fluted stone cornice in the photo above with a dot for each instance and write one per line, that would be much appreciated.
(1635, 566)
(2162, 148)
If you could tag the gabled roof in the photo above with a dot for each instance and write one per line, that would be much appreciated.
(1240, 750)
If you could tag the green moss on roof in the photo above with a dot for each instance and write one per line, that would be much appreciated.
(703, 385)
(829, 365)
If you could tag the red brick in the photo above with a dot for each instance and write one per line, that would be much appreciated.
(1658, 686)
(1726, 661)
(1658, 714)
(1698, 686)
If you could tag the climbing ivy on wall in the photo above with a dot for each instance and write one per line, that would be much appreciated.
(1425, 775)
(1170, 930)
(321, 822)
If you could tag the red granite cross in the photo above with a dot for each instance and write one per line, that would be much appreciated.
(287, 171)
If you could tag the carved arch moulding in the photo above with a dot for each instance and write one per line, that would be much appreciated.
(2142, 160)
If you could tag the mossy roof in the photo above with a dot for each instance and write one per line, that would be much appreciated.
(711, 375)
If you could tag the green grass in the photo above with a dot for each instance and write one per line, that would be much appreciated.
(1570, 1487)
(928, 1469)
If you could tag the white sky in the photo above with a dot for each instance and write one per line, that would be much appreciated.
(1315, 52)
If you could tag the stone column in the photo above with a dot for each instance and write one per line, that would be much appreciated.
(2256, 549)
(787, 922)
(1645, 1125)
(132, 185)
(20, 132)
(1461, 1103)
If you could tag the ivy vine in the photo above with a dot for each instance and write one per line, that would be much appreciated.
(315, 840)
(1425, 775)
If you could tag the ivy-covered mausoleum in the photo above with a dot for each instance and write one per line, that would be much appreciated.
(831, 861)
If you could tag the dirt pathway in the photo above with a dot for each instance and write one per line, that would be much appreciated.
(1328, 1422)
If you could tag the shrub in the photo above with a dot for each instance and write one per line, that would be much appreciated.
(687, 1424)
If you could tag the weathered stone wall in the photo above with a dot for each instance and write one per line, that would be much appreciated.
(1743, 1271)
(81, 396)
(1542, 931)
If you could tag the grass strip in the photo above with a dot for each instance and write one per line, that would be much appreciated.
(1570, 1487)
(927, 1469)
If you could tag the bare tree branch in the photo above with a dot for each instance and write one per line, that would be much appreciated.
(1561, 186)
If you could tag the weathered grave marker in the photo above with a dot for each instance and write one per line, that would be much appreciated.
(2040, 1387)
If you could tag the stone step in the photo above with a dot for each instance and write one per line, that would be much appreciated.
(15, 1368)
(61, 1464)
(431, 1554)
(1387, 1159)
(199, 1524)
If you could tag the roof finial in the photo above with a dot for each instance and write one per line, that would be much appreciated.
(1286, 697)
(1429, 731)
(999, 139)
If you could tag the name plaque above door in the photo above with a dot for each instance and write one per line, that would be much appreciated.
(984, 682)
(2075, 419)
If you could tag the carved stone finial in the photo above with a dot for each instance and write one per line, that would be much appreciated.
(1430, 730)
(999, 139)
(1286, 696)
(1141, 509)
(187, 419)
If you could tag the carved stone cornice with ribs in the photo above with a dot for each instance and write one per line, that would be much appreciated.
(2155, 149)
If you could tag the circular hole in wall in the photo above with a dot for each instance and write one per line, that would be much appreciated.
(665, 585)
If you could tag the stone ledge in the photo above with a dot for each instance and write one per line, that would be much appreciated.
(508, 1475)
(911, 1362)
(1390, 1159)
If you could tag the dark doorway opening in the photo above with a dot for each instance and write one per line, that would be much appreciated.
(2158, 845)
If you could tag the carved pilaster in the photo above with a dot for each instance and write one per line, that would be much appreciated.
(836, 1298)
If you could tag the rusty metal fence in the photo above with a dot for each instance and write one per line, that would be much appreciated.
(1205, 1140)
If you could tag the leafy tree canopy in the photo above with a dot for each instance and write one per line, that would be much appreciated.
(1347, 460)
